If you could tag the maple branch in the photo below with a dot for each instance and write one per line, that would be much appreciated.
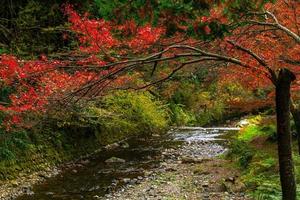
(290, 61)
(278, 25)
(156, 58)
(257, 58)
(174, 71)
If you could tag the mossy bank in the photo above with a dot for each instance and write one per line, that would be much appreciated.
(67, 133)
(254, 152)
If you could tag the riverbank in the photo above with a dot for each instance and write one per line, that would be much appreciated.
(208, 180)
(192, 171)
(11, 189)
(253, 151)
(28, 155)
(177, 159)
(23, 185)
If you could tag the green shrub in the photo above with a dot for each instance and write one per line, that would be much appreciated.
(296, 159)
(252, 131)
(267, 191)
(266, 164)
(138, 108)
(13, 143)
(180, 116)
(6, 154)
(212, 113)
(123, 114)
(241, 152)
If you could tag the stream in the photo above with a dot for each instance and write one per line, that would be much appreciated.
(95, 179)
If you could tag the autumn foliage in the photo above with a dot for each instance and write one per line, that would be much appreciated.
(106, 49)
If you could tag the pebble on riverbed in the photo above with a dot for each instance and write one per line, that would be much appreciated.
(176, 166)
(115, 160)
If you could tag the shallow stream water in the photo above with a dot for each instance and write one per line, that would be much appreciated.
(96, 178)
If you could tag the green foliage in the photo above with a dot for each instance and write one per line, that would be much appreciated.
(133, 112)
(236, 8)
(261, 176)
(31, 21)
(249, 133)
(3, 51)
(259, 165)
(253, 131)
(107, 9)
(180, 116)
(32, 27)
(12, 144)
(145, 11)
(4, 94)
(296, 159)
(68, 132)
(193, 105)
(267, 163)
(212, 113)
(117, 115)
(6, 154)
(268, 190)
(241, 152)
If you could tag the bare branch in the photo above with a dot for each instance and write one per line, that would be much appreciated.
(278, 25)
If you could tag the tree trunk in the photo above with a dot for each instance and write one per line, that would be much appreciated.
(286, 166)
(296, 116)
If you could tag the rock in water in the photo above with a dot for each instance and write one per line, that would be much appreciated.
(115, 160)
(112, 146)
(124, 145)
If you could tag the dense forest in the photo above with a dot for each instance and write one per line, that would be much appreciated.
(85, 78)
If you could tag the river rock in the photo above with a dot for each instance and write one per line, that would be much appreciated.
(235, 186)
(170, 169)
(14, 183)
(243, 123)
(115, 160)
(187, 159)
(126, 180)
(112, 146)
(124, 145)
(155, 135)
(84, 162)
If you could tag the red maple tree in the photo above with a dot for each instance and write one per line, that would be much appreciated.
(263, 45)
